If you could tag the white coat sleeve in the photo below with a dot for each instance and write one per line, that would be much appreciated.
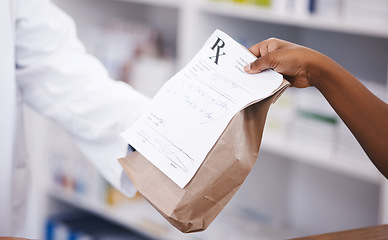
(60, 80)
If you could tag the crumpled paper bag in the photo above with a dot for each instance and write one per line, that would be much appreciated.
(194, 207)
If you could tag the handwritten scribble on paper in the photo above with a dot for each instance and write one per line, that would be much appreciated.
(168, 149)
(200, 99)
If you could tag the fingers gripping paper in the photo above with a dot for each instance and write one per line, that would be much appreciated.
(191, 195)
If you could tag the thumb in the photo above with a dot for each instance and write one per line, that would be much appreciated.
(260, 64)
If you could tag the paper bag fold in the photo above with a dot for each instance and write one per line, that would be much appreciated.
(194, 207)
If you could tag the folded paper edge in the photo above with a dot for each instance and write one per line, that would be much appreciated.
(280, 90)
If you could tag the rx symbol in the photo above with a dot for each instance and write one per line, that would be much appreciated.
(218, 44)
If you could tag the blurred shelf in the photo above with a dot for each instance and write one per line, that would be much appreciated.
(135, 214)
(160, 3)
(254, 13)
(359, 168)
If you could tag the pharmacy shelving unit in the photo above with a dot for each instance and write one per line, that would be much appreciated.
(293, 190)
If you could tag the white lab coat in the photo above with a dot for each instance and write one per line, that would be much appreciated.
(43, 65)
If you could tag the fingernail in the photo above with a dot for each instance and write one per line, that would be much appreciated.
(247, 67)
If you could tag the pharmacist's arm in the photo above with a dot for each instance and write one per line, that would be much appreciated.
(59, 79)
(363, 113)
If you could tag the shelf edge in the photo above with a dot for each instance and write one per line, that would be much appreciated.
(266, 15)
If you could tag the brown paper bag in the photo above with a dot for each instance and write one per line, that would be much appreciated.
(194, 207)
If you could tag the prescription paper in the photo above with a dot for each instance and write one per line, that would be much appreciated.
(191, 111)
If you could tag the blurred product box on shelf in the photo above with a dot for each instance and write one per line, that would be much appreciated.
(348, 147)
(377, 89)
(72, 174)
(372, 13)
(81, 226)
(303, 118)
(366, 12)
(146, 81)
(76, 176)
(283, 6)
(129, 50)
(259, 3)
(315, 124)
(280, 117)
(328, 9)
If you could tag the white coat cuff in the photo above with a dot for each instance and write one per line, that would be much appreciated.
(126, 185)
